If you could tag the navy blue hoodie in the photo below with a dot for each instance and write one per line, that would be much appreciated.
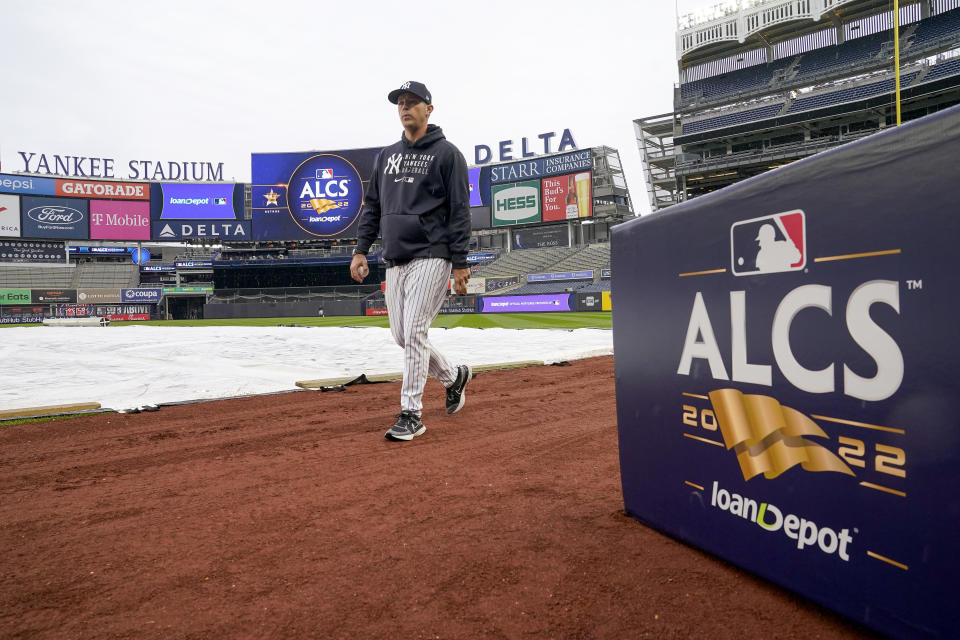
(418, 199)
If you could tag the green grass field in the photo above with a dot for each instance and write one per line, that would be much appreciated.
(593, 319)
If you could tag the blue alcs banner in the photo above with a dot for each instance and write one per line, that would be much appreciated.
(196, 201)
(309, 195)
(788, 375)
(560, 275)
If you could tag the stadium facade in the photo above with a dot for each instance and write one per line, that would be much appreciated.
(72, 246)
(767, 82)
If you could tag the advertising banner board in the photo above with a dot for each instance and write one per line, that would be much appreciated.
(180, 229)
(541, 167)
(310, 195)
(788, 375)
(495, 284)
(141, 295)
(55, 217)
(46, 296)
(555, 235)
(93, 296)
(15, 296)
(589, 301)
(28, 185)
(560, 275)
(9, 216)
(193, 201)
(567, 197)
(515, 203)
(32, 251)
(119, 220)
(526, 304)
(93, 189)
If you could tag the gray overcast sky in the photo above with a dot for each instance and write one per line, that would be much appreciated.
(214, 80)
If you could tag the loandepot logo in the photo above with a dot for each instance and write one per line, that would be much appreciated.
(806, 532)
(770, 438)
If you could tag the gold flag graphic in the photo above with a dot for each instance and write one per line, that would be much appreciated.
(768, 437)
(322, 205)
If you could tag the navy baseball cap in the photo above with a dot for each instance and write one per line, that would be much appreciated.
(416, 88)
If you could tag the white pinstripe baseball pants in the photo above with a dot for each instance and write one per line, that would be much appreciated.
(415, 293)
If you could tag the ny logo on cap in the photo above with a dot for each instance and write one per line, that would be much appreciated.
(405, 85)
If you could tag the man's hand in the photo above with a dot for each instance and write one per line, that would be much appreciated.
(460, 279)
(359, 268)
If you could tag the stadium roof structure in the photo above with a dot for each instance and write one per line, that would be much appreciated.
(766, 82)
(729, 27)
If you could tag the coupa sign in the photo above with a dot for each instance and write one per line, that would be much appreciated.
(787, 376)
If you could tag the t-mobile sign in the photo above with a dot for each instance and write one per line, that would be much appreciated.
(523, 304)
(119, 220)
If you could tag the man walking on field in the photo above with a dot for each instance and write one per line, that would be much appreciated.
(418, 200)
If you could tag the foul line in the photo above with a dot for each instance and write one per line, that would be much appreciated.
(694, 395)
(714, 442)
(870, 485)
(850, 256)
(859, 424)
(695, 486)
(888, 560)
(701, 273)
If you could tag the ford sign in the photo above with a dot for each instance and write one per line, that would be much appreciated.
(55, 215)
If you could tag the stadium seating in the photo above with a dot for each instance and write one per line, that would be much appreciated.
(730, 119)
(523, 261)
(852, 53)
(594, 256)
(944, 69)
(856, 53)
(106, 275)
(37, 276)
(597, 287)
(931, 29)
(849, 94)
(534, 288)
(742, 81)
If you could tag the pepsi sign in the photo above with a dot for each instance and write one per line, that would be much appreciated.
(788, 375)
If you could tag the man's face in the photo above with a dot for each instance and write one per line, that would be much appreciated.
(413, 111)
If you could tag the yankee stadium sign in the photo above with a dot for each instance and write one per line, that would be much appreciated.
(98, 167)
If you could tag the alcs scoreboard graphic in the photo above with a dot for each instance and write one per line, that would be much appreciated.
(788, 375)
(309, 195)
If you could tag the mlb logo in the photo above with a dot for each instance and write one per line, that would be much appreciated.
(219, 201)
(769, 244)
(324, 174)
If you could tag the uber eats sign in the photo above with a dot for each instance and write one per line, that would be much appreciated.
(515, 202)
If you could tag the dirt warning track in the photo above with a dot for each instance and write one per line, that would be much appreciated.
(289, 516)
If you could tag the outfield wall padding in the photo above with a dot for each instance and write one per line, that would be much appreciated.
(788, 375)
